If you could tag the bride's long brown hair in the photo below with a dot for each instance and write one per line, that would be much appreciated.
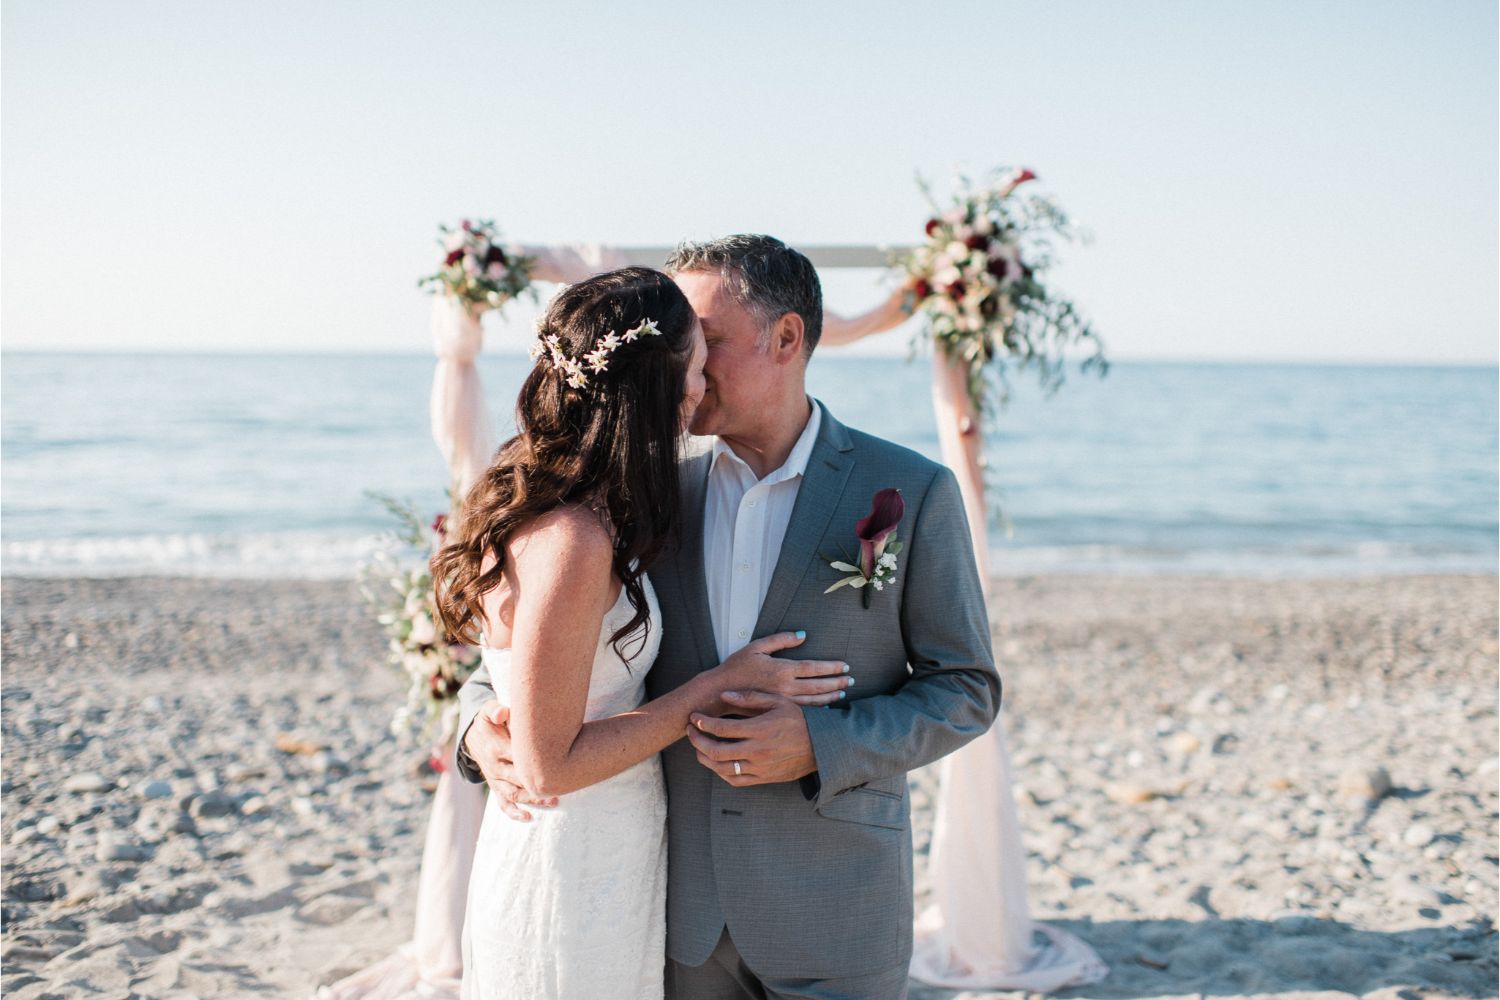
(611, 445)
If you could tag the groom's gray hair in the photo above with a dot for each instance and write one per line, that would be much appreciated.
(764, 275)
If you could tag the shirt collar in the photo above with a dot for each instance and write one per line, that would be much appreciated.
(796, 461)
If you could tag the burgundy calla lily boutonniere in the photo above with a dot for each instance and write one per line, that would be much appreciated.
(878, 546)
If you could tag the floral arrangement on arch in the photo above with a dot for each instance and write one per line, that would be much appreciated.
(978, 278)
(397, 586)
(476, 269)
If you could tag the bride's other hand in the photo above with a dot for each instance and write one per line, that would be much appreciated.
(488, 744)
(806, 682)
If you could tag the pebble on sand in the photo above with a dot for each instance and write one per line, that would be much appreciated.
(1128, 794)
(155, 790)
(88, 781)
(1184, 743)
(1371, 784)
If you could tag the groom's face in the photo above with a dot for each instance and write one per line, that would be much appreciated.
(739, 370)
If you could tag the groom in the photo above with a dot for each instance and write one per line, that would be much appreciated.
(789, 832)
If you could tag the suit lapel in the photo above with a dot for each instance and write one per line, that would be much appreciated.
(692, 585)
(828, 469)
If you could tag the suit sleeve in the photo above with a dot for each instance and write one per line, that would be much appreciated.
(476, 692)
(953, 693)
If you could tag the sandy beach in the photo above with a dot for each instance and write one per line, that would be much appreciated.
(1229, 786)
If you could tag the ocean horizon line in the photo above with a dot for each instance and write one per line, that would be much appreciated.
(510, 352)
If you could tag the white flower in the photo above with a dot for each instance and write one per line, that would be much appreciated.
(957, 250)
(888, 561)
(646, 329)
(537, 350)
(423, 632)
(947, 276)
(455, 240)
(609, 342)
(879, 584)
(495, 271)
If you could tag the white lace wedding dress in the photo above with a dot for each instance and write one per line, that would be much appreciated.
(573, 903)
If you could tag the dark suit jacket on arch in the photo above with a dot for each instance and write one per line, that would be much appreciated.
(814, 878)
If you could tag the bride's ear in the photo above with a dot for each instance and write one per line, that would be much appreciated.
(787, 338)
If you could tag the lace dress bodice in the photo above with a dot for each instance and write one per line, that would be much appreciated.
(616, 685)
(573, 903)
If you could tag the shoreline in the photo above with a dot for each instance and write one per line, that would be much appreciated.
(1180, 746)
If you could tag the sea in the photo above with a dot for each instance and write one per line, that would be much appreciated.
(267, 466)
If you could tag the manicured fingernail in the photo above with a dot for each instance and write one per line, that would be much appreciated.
(841, 694)
(846, 668)
(800, 634)
(731, 694)
(850, 680)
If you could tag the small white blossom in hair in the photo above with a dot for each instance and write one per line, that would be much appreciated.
(596, 360)
(646, 329)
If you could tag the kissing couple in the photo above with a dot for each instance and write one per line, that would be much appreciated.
(718, 627)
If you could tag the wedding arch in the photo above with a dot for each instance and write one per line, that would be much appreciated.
(977, 291)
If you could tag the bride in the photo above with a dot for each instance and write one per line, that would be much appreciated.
(548, 566)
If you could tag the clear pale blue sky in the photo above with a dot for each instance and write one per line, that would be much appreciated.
(1276, 180)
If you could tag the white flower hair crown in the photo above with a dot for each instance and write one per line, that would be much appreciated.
(596, 360)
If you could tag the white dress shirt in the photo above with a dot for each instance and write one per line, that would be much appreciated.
(744, 523)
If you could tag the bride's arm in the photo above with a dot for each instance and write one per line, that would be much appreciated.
(562, 572)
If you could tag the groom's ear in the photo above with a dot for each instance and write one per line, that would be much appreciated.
(787, 338)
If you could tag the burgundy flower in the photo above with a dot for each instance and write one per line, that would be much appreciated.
(954, 289)
(441, 687)
(454, 256)
(440, 525)
(1020, 177)
(875, 530)
(932, 226)
(998, 266)
(466, 226)
(495, 256)
(977, 242)
(921, 289)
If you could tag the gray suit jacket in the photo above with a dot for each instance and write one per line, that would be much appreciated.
(814, 878)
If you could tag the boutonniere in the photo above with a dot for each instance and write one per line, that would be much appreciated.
(878, 547)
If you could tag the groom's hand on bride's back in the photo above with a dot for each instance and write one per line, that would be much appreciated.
(771, 746)
(487, 744)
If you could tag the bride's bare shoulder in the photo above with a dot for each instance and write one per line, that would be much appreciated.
(571, 541)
